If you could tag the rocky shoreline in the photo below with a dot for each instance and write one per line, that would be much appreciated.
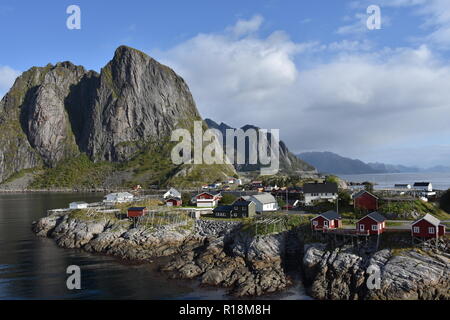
(220, 253)
(217, 253)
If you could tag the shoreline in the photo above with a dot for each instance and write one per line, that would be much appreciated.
(215, 253)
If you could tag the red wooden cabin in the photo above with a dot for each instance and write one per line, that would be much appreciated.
(137, 212)
(428, 227)
(373, 223)
(366, 201)
(174, 202)
(327, 220)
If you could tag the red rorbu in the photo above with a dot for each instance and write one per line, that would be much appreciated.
(373, 223)
(428, 227)
(327, 220)
(137, 212)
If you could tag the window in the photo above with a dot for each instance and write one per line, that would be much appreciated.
(361, 227)
(315, 223)
(416, 230)
(431, 230)
(325, 223)
(374, 227)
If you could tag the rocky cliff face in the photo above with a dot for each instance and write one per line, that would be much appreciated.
(54, 113)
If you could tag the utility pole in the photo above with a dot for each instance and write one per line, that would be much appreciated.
(337, 204)
(287, 200)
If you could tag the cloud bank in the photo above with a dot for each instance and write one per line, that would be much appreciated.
(358, 102)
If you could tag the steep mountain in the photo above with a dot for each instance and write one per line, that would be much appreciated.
(289, 163)
(328, 162)
(121, 117)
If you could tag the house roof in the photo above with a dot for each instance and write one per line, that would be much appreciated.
(422, 184)
(173, 198)
(223, 209)
(120, 194)
(431, 219)
(329, 215)
(214, 194)
(174, 191)
(79, 202)
(264, 198)
(137, 209)
(326, 187)
(243, 203)
(376, 217)
(360, 193)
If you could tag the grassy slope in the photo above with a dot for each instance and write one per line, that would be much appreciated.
(402, 210)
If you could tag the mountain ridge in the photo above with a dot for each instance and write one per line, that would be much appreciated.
(60, 112)
(332, 163)
(289, 163)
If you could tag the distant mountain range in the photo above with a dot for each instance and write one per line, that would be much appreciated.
(289, 163)
(328, 162)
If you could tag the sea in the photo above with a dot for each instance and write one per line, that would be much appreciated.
(33, 268)
(440, 181)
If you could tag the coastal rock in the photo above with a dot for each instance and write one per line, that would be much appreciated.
(72, 233)
(408, 275)
(249, 266)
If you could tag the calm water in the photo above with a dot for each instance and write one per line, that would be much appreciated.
(35, 268)
(440, 181)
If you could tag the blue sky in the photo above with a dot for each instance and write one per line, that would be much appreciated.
(309, 68)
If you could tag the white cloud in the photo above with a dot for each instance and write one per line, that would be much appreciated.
(245, 27)
(358, 103)
(7, 78)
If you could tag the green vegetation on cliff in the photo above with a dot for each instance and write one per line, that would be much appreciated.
(78, 172)
(410, 209)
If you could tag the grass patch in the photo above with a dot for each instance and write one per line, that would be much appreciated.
(404, 210)
(78, 172)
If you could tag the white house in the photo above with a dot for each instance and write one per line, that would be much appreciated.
(424, 188)
(172, 193)
(120, 197)
(320, 192)
(78, 205)
(207, 199)
(265, 202)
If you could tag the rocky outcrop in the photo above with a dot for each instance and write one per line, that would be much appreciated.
(218, 253)
(406, 275)
(248, 266)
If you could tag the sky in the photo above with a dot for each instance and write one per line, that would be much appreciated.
(311, 68)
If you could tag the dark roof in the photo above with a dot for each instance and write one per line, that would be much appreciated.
(376, 216)
(242, 203)
(360, 193)
(137, 209)
(174, 198)
(422, 184)
(330, 215)
(223, 209)
(327, 187)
